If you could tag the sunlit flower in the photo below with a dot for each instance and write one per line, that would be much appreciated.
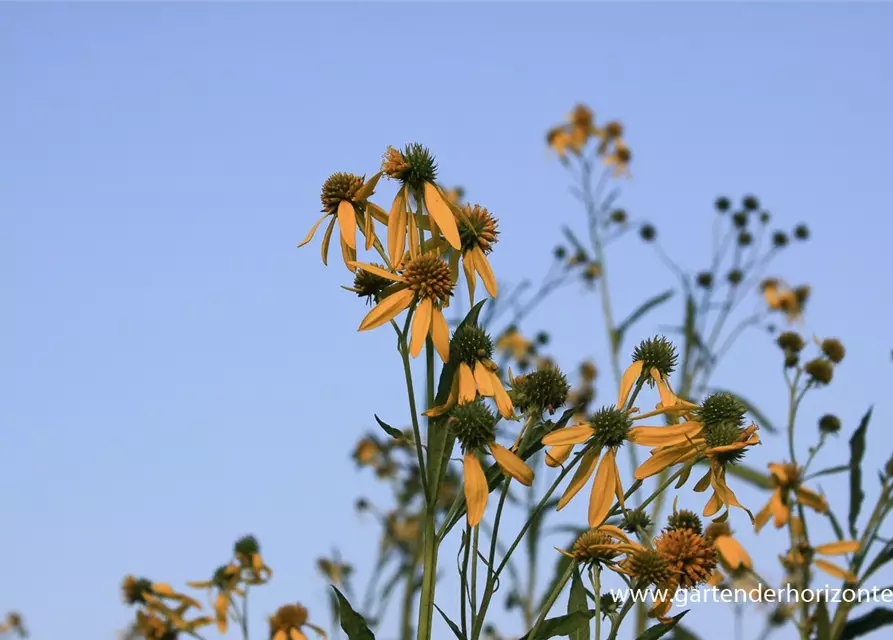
(514, 344)
(731, 553)
(247, 552)
(717, 433)
(650, 568)
(619, 158)
(475, 429)
(366, 452)
(781, 297)
(602, 546)
(691, 560)
(344, 198)
(426, 281)
(804, 554)
(222, 585)
(478, 234)
(476, 373)
(416, 169)
(788, 489)
(288, 623)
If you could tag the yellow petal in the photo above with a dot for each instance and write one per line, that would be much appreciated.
(713, 505)
(838, 548)
(629, 378)
(313, 230)
(557, 454)
(470, 277)
(483, 380)
(421, 323)
(327, 237)
(763, 516)
(349, 255)
(440, 334)
(512, 464)
(503, 401)
(483, 267)
(441, 214)
(369, 188)
(413, 236)
(368, 230)
(387, 309)
(663, 460)
(476, 490)
(378, 271)
(162, 589)
(451, 400)
(280, 635)
(347, 221)
(397, 229)
(569, 435)
(467, 389)
(296, 634)
(809, 498)
(603, 489)
(834, 570)
(581, 476)
(732, 552)
(664, 436)
(377, 212)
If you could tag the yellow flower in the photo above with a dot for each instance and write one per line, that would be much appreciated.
(781, 297)
(559, 139)
(476, 373)
(415, 168)
(475, 428)
(619, 158)
(366, 451)
(247, 552)
(732, 555)
(603, 546)
(787, 478)
(478, 234)
(803, 554)
(426, 281)
(225, 582)
(514, 344)
(344, 199)
(288, 623)
(717, 434)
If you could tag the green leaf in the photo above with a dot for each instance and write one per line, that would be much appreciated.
(822, 622)
(829, 471)
(396, 434)
(857, 452)
(578, 602)
(661, 629)
(644, 308)
(759, 417)
(748, 474)
(683, 633)
(560, 626)
(352, 623)
(453, 625)
(874, 619)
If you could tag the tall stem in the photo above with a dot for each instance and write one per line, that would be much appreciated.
(429, 552)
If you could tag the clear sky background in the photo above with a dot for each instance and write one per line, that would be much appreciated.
(176, 373)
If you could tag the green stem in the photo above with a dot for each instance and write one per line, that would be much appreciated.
(245, 614)
(553, 596)
(474, 575)
(429, 566)
(463, 581)
(597, 589)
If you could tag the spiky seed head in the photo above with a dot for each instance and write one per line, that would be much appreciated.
(721, 408)
(820, 370)
(595, 546)
(717, 529)
(469, 344)
(247, 546)
(722, 204)
(473, 425)
(739, 219)
(791, 341)
(705, 279)
(745, 238)
(614, 130)
(636, 520)
(750, 203)
(649, 567)
(429, 277)
(545, 389)
(648, 232)
(290, 616)
(780, 239)
(370, 285)
(691, 558)
(611, 426)
(685, 519)
(656, 353)
(833, 349)
(801, 232)
(735, 277)
(414, 166)
(829, 423)
(337, 187)
(135, 589)
(478, 229)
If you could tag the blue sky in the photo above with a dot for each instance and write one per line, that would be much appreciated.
(177, 374)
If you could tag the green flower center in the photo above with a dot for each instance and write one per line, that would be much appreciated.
(611, 426)
(656, 353)
(473, 425)
(469, 344)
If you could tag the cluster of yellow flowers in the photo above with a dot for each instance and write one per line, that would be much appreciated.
(580, 128)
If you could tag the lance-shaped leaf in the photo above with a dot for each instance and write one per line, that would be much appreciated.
(577, 601)
(560, 625)
(396, 434)
(660, 630)
(863, 625)
(352, 623)
(455, 628)
(857, 452)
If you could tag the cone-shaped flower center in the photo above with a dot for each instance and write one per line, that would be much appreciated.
(595, 546)
(473, 425)
(429, 277)
(339, 186)
(610, 426)
(478, 229)
(685, 519)
(469, 344)
(649, 567)
(290, 616)
(692, 559)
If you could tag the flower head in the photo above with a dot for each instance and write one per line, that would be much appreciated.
(288, 623)
(477, 234)
(788, 481)
(545, 389)
(602, 546)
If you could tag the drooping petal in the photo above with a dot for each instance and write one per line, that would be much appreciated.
(763, 516)
(503, 401)
(512, 464)
(347, 221)
(809, 498)
(368, 230)
(281, 634)
(467, 388)
(476, 490)
(348, 255)
(441, 214)
(569, 435)
(663, 460)
(221, 607)
(603, 489)
(377, 212)
(414, 250)
(440, 334)
(581, 476)
(714, 504)
(838, 548)
(664, 436)
(629, 378)
(387, 309)
(832, 569)
(421, 324)
(450, 402)
(296, 634)
(483, 268)
(780, 511)
(483, 380)
(378, 271)
(326, 239)
(397, 228)
(557, 454)
(732, 552)
(312, 231)
(368, 188)
(470, 277)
